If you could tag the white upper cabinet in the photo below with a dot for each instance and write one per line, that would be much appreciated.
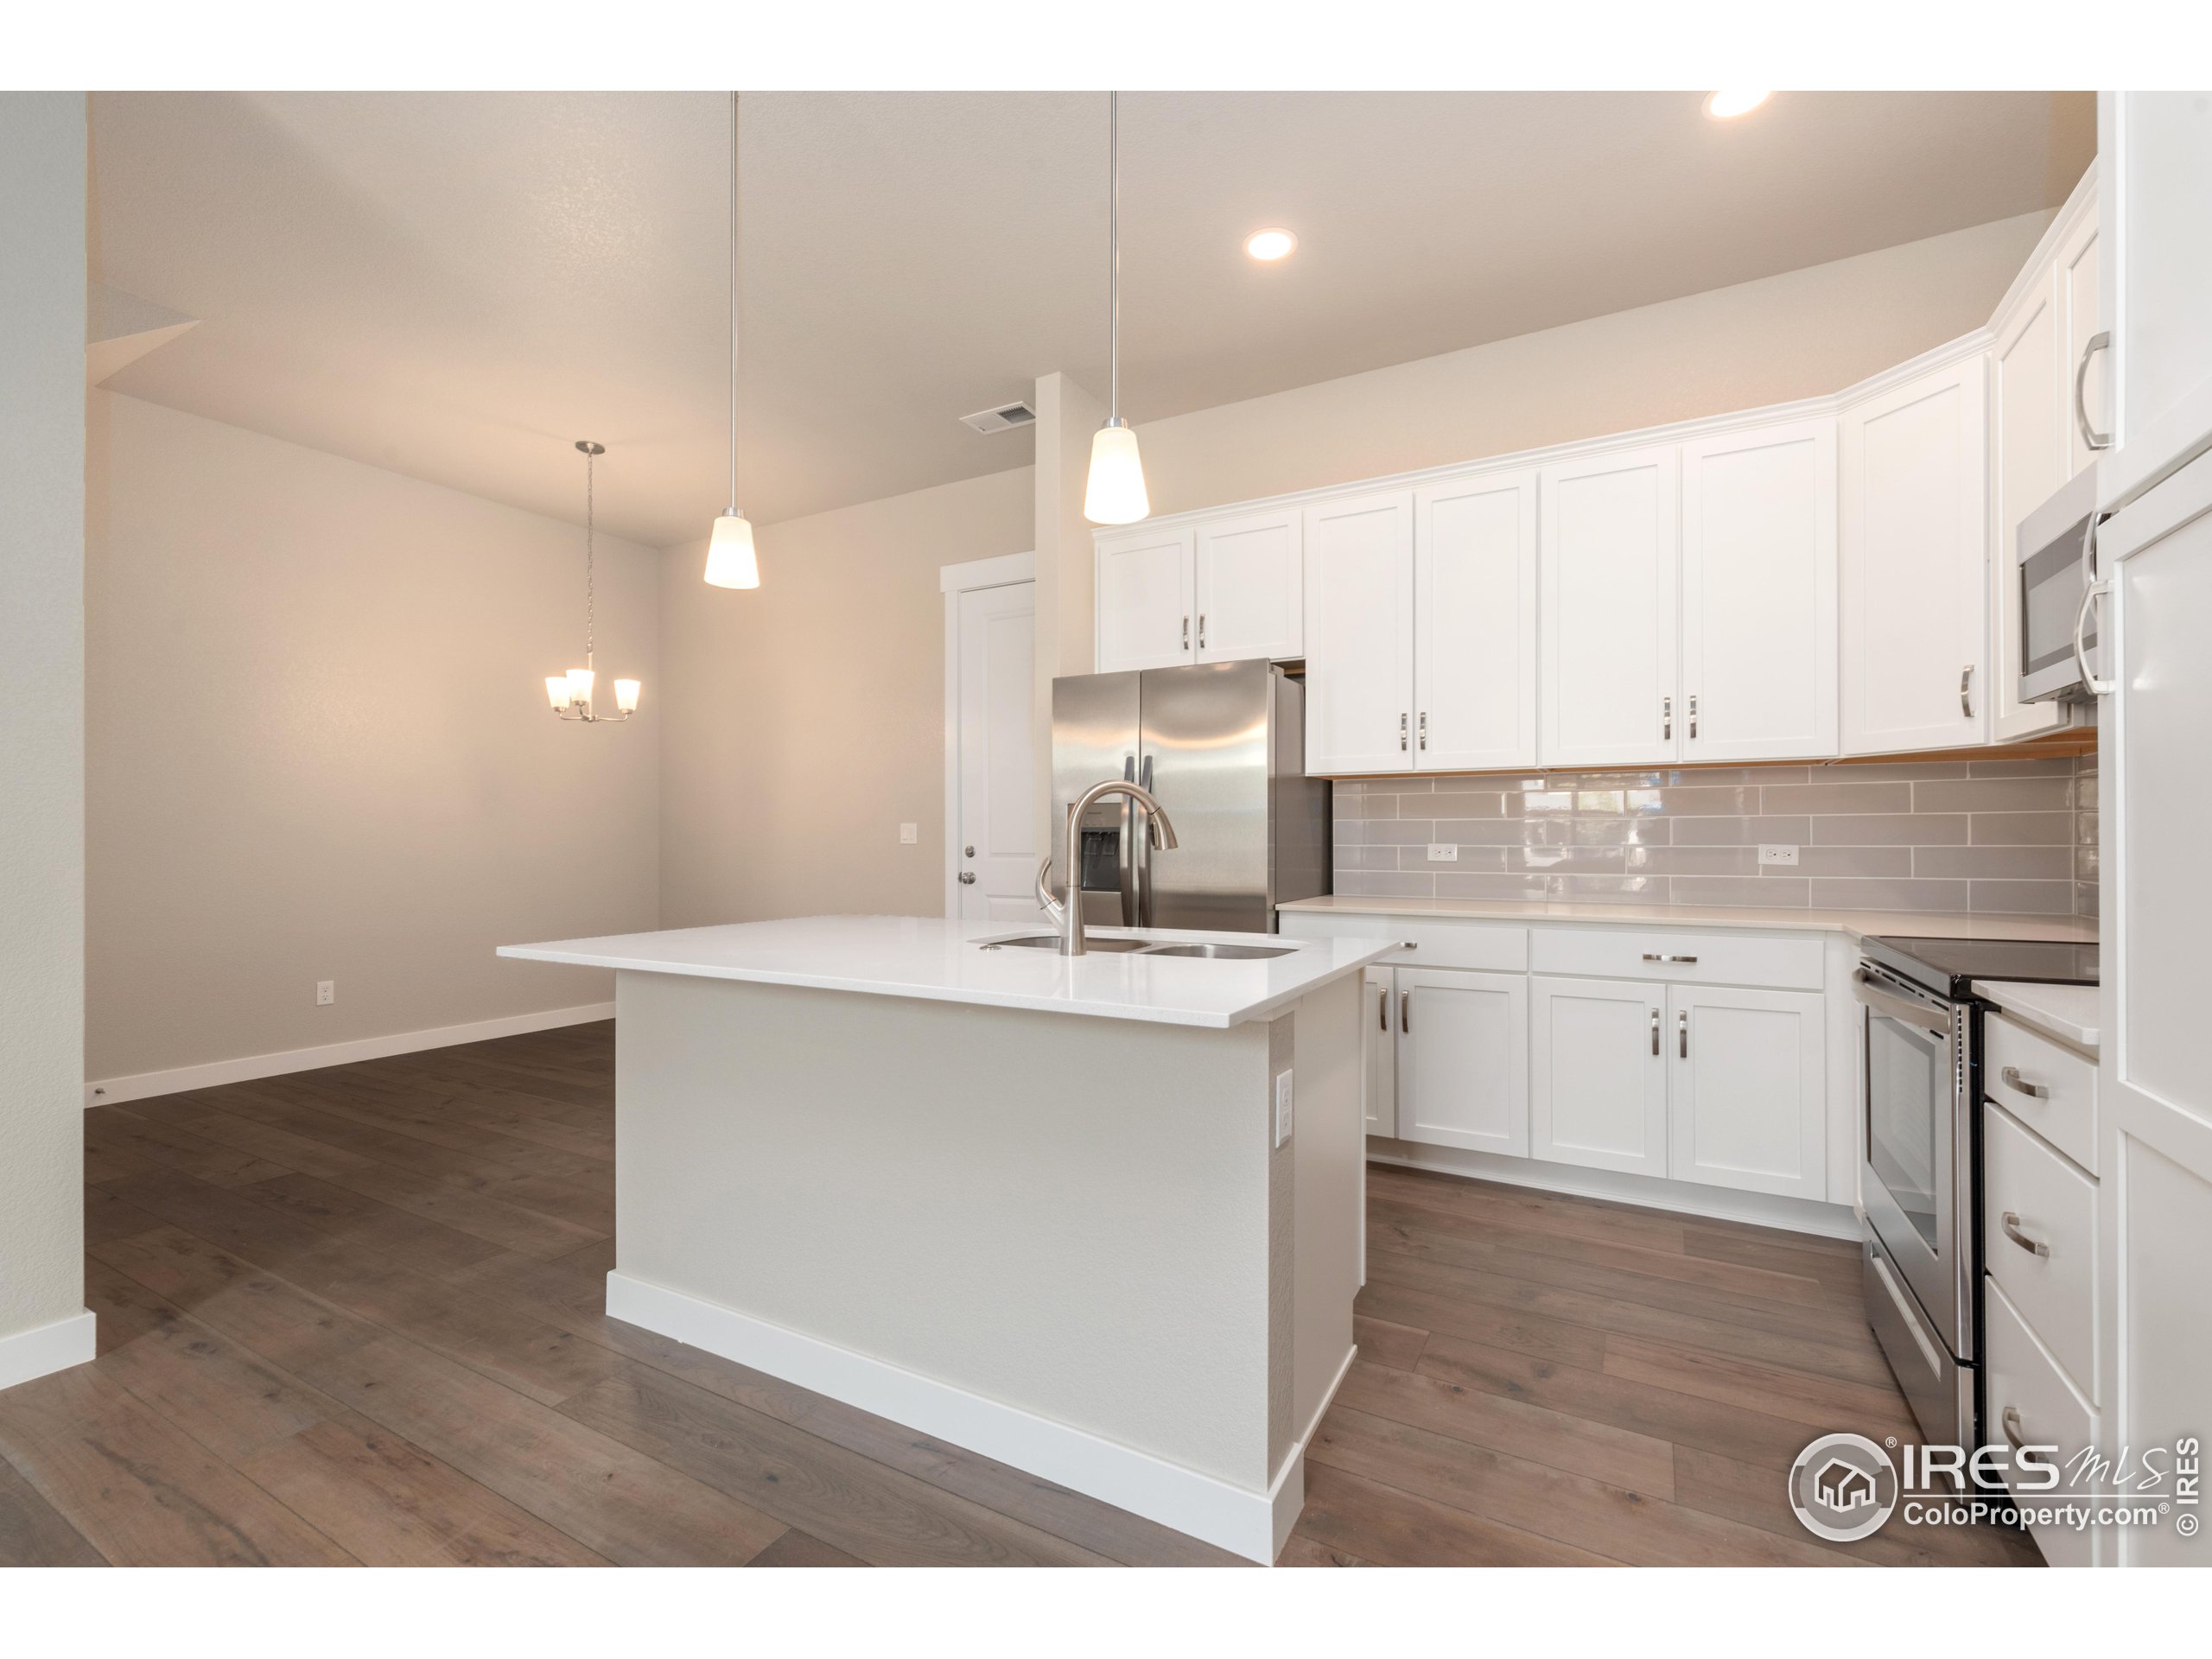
(1611, 532)
(2031, 426)
(1360, 634)
(1251, 596)
(2154, 246)
(1146, 599)
(2079, 323)
(1475, 623)
(1758, 678)
(1914, 560)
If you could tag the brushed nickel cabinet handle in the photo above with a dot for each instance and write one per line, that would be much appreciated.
(1382, 1008)
(1693, 717)
(1202, 630)
(1666, 718)
(1405, 1011)
(2010, 1076)
(2091, 436)
(1683, 1031)
(2010, 1221)
(1654, 1031)
(1966, 691)
(1186, 633)
(1653, 956)
(1424, 731)
(1401, 733)
(2010, 1420)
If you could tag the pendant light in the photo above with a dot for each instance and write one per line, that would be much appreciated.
(1115, 492)
(570, 693)
(731, 561)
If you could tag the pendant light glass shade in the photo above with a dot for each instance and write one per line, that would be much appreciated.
(1115, 494)
(730, 559)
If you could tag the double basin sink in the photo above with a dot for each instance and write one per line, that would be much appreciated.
(1207, 950)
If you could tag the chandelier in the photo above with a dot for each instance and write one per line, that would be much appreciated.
(570, 693)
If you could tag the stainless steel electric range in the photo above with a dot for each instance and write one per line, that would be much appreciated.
(1920, 1080)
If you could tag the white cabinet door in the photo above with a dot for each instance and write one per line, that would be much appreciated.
(1252, 588)
(1463, 1059)
(2154, 208)
(1475, 623)
(1748, 1102)
(1360, 634)
(1914, 474)
(2154, 1090)
(1612, 534)
(1597, 1085)
(1379, 1076)
(2079, 323)
(1759, 593)
(1145, 596)
(2030, 423)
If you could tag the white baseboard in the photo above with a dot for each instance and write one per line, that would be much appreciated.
(1253, 1524)
(1819, 1217)
(143, 1085)
(47, 1348)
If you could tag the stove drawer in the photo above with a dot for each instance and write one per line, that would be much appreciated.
(2049, 1088)
(2028, 1393)
(2040, 1241)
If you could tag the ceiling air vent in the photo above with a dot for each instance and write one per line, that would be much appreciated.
(1001, 419)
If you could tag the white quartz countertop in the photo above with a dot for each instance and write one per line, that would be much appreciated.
(944, 960)
(2066, 1012)
(1858, 923)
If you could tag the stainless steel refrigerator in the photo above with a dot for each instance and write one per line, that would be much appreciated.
(1222, 747)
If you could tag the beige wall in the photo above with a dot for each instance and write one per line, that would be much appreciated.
(320, 747)
(1801, 334)
(42, 738)
(805, 719)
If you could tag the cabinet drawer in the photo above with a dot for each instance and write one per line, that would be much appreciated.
(2027, 1389)
(1682, 957)
(2053, 1207)
(2051, 1088)
(1485, 947)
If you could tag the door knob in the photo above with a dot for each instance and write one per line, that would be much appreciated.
(968, 852)
(967, 878)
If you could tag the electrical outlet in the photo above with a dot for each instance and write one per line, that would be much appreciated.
(1772, 855)
(1444, 852)
(326, 992)
(1282, 1107)
(909, 834)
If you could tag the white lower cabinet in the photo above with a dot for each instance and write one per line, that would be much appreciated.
(1597, 1083)
(1748, 1097)
(1379, 1075)
(1462, 1059)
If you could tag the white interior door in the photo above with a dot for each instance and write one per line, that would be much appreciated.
(1146, 597)
(2154, 1087)
(1915, 485)
(1252, 588)
(1360, 634)
(994, 854)
(1597, 1085)
(1463, 1059)
(1611, 532)
(1748, 1102)
(2029, 410)
(1475, 623)
(1759, 593)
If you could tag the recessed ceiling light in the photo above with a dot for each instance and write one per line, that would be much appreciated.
(1723, 106)
(1270, 245)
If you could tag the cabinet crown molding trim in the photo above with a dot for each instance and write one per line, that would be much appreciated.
(2079, 208)
(1827, 405)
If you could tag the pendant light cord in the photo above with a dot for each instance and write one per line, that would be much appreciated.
(733, 302)
(590, 618)
(1113, 263)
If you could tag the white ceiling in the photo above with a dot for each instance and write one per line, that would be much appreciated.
(456, 286)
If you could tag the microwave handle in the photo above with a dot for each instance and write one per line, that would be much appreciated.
(2090, 682)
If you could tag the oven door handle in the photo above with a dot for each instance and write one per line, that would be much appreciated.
(1888, 1003)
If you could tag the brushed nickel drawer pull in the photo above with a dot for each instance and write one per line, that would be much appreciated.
(2011, 1077)
(2010, 1221)
(1654, 1031)
(1653, 956)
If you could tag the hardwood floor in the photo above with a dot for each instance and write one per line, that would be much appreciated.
(357, 1315)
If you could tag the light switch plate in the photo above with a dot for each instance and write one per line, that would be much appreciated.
(1772, 854)
(1444, 852)
(909, 834)
(1282, 1107)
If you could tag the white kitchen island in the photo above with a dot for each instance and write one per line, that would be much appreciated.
(1097, 1217)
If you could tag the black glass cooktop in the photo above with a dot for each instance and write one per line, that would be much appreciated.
(1949, 966)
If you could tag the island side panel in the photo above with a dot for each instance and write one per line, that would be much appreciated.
(1330, 1142)
(1066, 1214)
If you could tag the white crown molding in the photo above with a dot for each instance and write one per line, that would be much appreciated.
(2078, 207)
(143, 1085)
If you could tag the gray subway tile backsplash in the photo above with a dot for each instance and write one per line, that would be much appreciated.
(2007, 837)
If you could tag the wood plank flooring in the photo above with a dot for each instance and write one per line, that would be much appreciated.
(357, 1315)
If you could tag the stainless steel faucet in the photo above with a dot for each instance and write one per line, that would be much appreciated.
(1067, 914)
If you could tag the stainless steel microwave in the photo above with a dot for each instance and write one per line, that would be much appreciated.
(2051, 567)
